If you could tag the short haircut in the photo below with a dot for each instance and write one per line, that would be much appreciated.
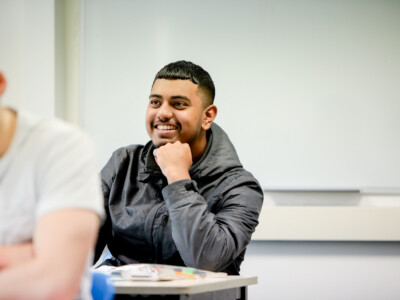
(187, 70)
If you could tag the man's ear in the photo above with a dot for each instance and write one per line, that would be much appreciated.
(3, 83)
(209, 115)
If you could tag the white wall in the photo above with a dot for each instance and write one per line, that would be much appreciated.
(323, 270)
(27, 54)
(326, 246)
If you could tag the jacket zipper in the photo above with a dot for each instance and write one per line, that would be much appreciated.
(164, 220)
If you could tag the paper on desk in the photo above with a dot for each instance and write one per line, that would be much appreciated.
(156, 272)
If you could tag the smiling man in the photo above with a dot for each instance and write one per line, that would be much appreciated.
(184, 197)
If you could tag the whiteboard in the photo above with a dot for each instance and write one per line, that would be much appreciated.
(308, 91)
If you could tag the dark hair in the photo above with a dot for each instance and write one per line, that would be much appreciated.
(187, 70)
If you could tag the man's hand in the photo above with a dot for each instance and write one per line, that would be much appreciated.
(174, 160)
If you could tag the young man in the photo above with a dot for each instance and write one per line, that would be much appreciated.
(183, 198)
(50, 203)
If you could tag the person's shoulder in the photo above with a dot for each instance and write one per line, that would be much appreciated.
(51, 132)
(220, 136)
(48, 127)
(54, 127)
(234, 170)
(126, 153)
(128, 150)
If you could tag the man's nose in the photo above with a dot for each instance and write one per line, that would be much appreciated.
(165, 112)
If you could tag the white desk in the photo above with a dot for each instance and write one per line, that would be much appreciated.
(229, 287)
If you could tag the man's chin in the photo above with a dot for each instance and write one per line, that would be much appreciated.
(158, 143)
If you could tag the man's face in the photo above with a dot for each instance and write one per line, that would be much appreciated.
(175, 112)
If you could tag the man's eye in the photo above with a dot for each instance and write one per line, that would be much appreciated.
(154, 102)
(180, 104)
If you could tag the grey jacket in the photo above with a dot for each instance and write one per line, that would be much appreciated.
(204, 223)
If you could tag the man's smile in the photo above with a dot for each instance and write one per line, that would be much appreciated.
(166, 127)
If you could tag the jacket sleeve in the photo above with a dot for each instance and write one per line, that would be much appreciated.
(212, 241)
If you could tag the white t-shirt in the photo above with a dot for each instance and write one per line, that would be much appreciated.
(50, 165)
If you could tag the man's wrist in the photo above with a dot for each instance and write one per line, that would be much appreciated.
(176, 176)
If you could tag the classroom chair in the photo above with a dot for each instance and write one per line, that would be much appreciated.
(102, 287)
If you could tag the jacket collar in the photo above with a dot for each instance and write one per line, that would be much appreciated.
(147, 165)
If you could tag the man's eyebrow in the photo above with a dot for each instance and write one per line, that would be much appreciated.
(155, 96)
(180, 97)
(173, 97)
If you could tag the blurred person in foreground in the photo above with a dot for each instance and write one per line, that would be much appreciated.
(50, 207)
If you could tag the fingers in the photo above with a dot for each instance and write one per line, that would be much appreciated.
(174, 160)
